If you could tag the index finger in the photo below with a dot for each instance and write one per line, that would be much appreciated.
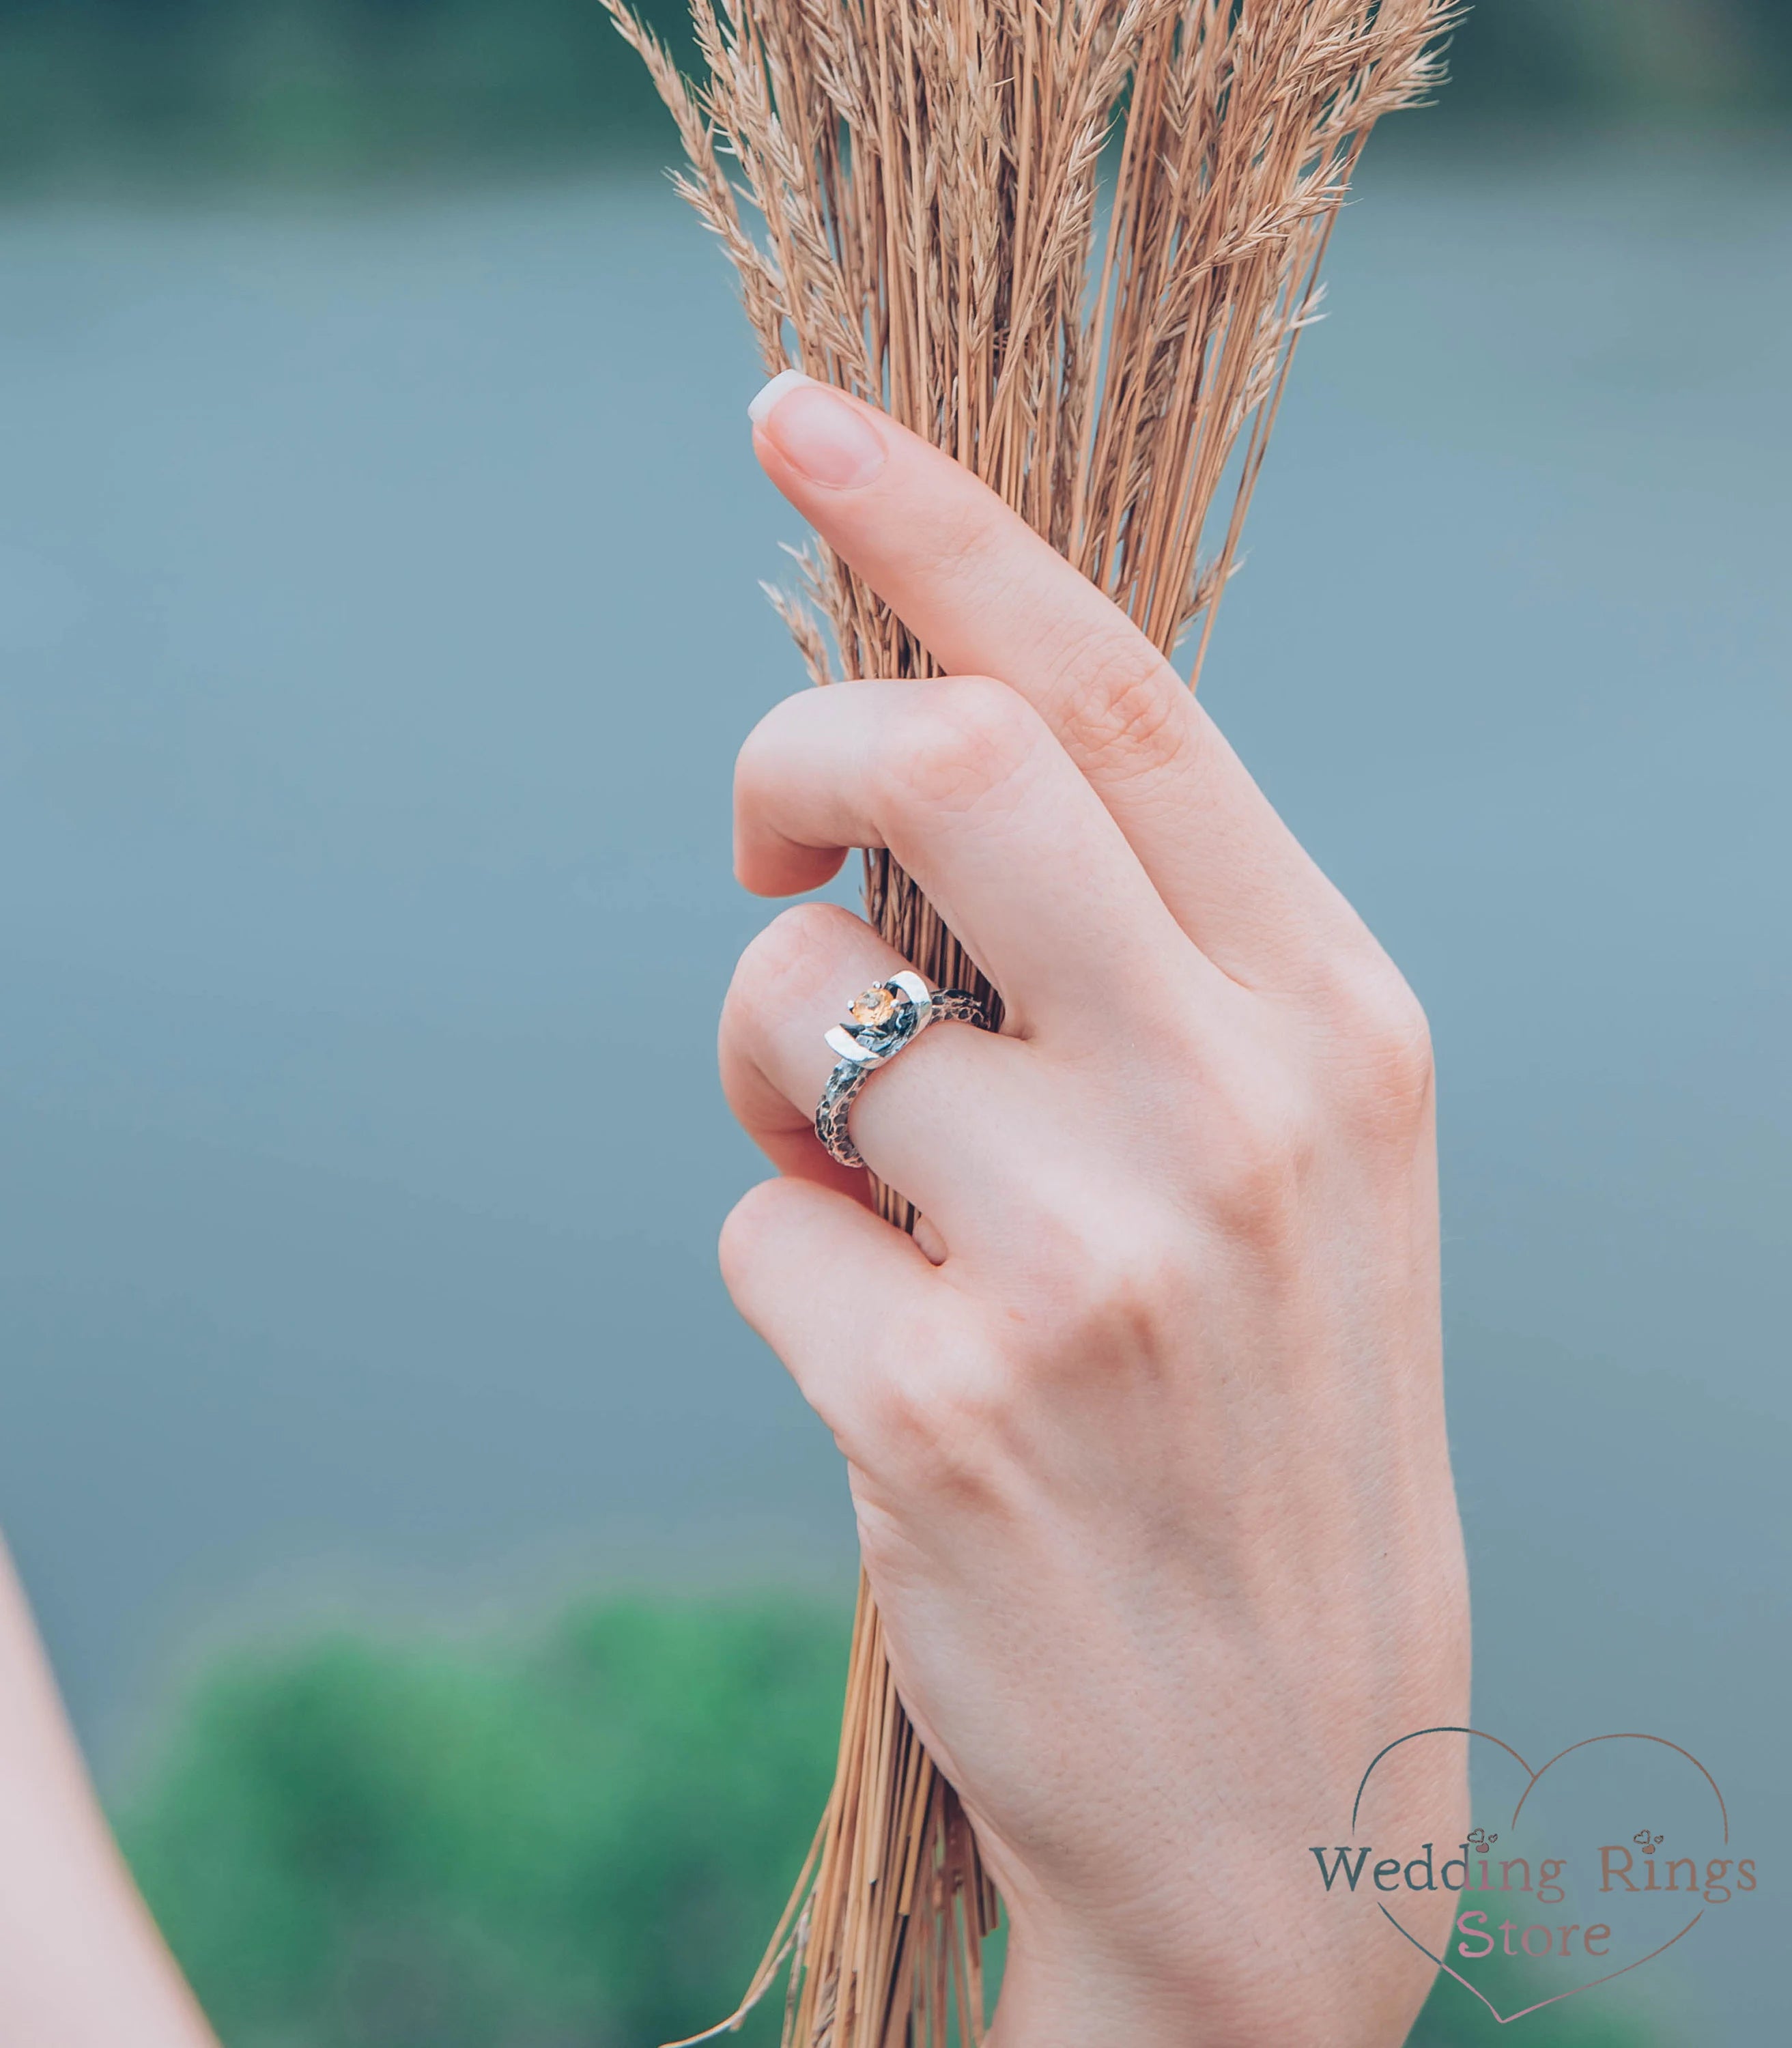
(986, 595)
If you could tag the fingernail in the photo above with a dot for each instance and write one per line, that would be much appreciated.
(785, 380)
(816, 431)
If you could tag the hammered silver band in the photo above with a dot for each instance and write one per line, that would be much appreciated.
(888, 1016)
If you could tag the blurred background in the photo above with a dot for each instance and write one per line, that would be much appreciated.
(451, 1594)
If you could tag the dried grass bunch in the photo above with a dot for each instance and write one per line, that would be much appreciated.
(1072, 243)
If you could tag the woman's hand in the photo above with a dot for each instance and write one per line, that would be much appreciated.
(1146, 1434)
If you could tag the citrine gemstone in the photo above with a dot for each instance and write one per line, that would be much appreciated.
(876, 1006)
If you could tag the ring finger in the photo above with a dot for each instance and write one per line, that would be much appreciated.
(926, 1124)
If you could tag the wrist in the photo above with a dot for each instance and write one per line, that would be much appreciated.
(1066, 1985)
(1072, 1989)
(1066, 2008)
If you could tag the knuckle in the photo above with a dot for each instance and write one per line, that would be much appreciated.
(948, 1425)
(1261, 1150)
(1133, 714)
(1137, 1287)
(1385, 1056)
(1109, 1282)
(743, 1231)
(760, 751)
(958, 743)
(965, 542)
(801, 948)
(753, 1251)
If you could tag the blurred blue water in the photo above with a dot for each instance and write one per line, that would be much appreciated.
(377, 590)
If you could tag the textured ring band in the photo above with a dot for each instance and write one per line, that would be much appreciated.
(885, 1019)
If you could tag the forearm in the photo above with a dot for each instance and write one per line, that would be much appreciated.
(81, 1963)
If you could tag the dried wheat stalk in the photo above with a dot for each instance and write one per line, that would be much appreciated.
(1072, 243)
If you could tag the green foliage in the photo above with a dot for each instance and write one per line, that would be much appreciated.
(587, 1841)
(579, 1842)
(319, 87)
(1622, 57)
(338, 87)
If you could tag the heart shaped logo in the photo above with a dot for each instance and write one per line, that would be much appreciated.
(1557, 1877)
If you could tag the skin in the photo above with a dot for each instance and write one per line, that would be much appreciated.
(1146, 1433)
(1144, 1426)
(81, 1964)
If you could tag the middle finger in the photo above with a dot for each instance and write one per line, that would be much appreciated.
(964, 783)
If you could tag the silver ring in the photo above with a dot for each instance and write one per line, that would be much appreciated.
(886, 1017)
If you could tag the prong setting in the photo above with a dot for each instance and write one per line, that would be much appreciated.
(886, 1017)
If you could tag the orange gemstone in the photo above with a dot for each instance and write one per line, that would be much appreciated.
(876, 1006)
